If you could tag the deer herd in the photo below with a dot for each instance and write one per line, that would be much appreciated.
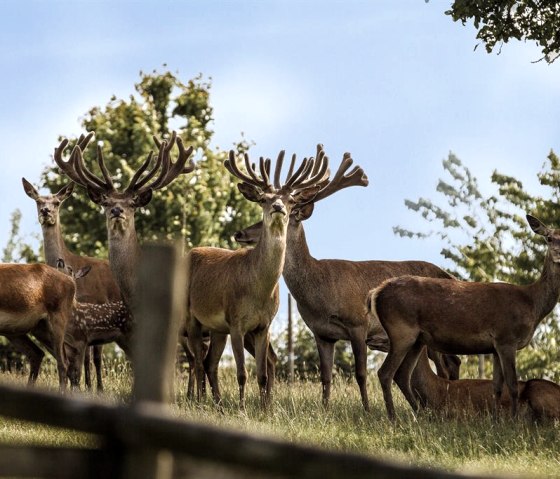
(412, 310)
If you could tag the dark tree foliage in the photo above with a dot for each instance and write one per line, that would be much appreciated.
(498, 22)
(202, 208)
(488, 239)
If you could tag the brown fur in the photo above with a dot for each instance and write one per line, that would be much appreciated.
(33, 296)
(98, 287)
(464, 318)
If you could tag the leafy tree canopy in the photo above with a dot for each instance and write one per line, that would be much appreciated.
(203, 207)
(488, 239)
(499, 22)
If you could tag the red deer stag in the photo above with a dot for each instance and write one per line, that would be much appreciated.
(465, 396)
(37, 299)
(99, 286)
(236, 292)
(330, 292)
(457, 317)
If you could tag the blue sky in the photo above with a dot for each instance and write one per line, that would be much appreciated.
(396, 83)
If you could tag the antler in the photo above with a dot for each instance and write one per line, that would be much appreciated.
(262, 182)
(356, 177)
(77, 171)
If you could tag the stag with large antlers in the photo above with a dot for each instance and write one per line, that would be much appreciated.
(236, 292)
(37, 299)
(120, 206)
(97, 287)
(330, 293)
(458, 317)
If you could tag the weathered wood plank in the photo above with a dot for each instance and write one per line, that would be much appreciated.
(54, 462)
(151, 425)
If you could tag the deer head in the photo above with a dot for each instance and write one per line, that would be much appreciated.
(48, 206)
(120, 206)
(68, 270)
(302, 209)
(278, 200)
(552, 237)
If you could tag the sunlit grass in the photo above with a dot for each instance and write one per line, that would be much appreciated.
(476, 444)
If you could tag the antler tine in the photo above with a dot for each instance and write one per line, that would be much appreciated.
(278, 169)
(291, 168)
(170, 170)
(356, 177)
(83, 140)
(251, 169)
(319, 176)
(66, 166)
(264, 166)
(303, 170)
(102, 167)
(141, 170)
(318, 159)
(87, 178)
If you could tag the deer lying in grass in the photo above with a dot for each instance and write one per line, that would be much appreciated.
(330, 292)
(236, 292)
(98, 287)
(37, 298)
(458, 317)
(466, 396)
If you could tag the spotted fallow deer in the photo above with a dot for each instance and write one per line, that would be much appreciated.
(458, 317)
(99, 286)
(236, 292)
(330, 293)
(34, 298)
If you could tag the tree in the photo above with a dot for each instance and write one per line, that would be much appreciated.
(499, 22)
(16, 249)
(487, 239)
(204, 207)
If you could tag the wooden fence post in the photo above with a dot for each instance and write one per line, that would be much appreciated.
(158, 312)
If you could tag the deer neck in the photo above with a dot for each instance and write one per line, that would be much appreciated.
(268, 256)
(124, 254)
(299, 262)
(546, 289)
(427, 384)
(53, 243)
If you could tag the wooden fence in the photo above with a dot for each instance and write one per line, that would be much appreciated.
(142, 439)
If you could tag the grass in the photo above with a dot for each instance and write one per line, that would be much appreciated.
(473, 444)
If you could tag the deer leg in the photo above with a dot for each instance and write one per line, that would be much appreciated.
(326, 360)
(497, 382)
(507, 362)
(32, 352)
(190, 360)
(56, 326)
(239, 355)
(87, 368)
(261, 353)
(400, 345)
(194, 333)
(359, 348)
(404, 374)
(217, 345)
(98, 363)
(271, 360)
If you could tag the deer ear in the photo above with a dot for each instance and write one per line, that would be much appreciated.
(95, 196)
(250, 192)
(29, 189)
(537, 226)
(143, 198)
(65, 191)
(306, 195)
(303, 212)
(82, 272)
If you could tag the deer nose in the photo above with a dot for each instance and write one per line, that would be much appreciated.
(44, 210)
(278, 207)
(116, 211)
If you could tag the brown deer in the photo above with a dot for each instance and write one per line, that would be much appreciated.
(236, 292)
(98, 287)
(330, 293)
(467, 396)
(37, 299)
(120, 206)
(458, 317)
